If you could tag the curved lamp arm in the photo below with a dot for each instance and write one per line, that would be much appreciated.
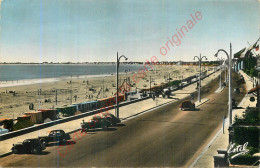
(196, 57)
(120, 58)
(223, 51)
(204, 57)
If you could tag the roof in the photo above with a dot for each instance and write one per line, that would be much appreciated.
(3, 119)
(107, 98)
(57, 130)
(24, 116)
(33, 112)
(44, 110)
(239, 53)
(88, 102)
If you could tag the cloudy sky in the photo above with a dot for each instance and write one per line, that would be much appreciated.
(90, 30)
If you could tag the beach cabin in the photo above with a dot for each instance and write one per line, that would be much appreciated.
(36, 116)
(67, 111)
(22, 122)
(49, 113)
(87, 106)
(128, 95)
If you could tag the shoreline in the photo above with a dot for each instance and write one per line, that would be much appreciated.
(25, 82)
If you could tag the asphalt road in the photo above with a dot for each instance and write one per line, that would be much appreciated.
(166, 136)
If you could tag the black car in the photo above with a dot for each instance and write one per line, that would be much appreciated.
(111, 118)
(234, 104)
(28, 146)
(95, 122)
(55, 136)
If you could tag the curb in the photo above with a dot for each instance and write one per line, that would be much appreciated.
(6, 154)
(213, 139)
(220, 90)
(203, 102)
(207, 146)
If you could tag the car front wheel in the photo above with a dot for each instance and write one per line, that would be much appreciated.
(105, 127)
(63, 141)
(15, 151)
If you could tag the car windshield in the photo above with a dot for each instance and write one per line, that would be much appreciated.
(96, 118)
(55, 132)
(26, 141)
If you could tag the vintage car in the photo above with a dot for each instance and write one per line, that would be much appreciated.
(28, 146)
(234, 104)
(111, 118)
(95, 122)
(187, 105)
(55, 136)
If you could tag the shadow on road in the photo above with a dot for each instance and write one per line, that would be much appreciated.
(43, 153)
(97, 130)
(238, 108)
(120, 125)
(58, 144)
(173, 122)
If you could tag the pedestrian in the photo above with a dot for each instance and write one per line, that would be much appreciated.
(153, 97)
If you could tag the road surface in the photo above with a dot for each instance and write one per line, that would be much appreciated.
(165, 136)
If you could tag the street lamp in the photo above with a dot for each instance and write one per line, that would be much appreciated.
(229, 82)
(225, 72)
(220, 83)
(200, 59)
(117, 67)
(126, 75)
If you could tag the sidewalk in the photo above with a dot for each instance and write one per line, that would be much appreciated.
(220, 141)
(125, 112)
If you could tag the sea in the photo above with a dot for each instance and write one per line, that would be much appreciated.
(24, 74)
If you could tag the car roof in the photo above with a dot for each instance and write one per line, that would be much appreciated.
(56, 130)
(96, 117)
(33, 139)
(106, 114)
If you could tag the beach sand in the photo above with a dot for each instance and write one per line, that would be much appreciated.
(12, 106)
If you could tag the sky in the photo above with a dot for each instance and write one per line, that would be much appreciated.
(93, 31)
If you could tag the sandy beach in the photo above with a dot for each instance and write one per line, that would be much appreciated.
(43, 92)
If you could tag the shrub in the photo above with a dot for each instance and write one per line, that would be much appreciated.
(246, 159)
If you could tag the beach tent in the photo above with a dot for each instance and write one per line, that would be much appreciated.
(47, 120)
(36, 117)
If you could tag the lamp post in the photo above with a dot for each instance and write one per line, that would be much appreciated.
(220, 82)
(200, 59)
(117, 67)
(225, 73)
(229, 82)
(126, 75)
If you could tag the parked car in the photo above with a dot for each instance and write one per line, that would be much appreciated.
(236, 90)
(234, 104)
(187, 105)
(95, 122)
(55, 136)
(111, 118)
(28, 146)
